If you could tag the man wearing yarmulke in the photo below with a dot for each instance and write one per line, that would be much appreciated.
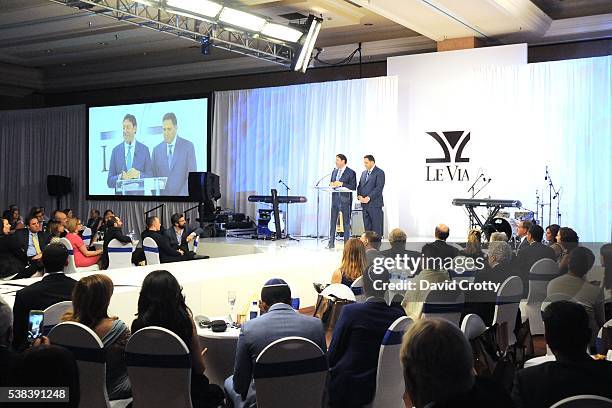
(278, 320)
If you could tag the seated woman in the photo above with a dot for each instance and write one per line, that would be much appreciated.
(9, 264)
(551, 237)
(90, 299)
(473, 247)
(56, 231)
(162, 303)
(83, 257)
(353, 263)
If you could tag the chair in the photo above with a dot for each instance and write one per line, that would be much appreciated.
(507, 304)
(466, 275)
(472, 326)
(193, 245)
(584, 401)
(159, 367)
(119, 254)
(357, 288)
(389, 375)
(151, 251)
(53, 315)
(541, 272)
(86, 237)
(339, 291)
(91, 360)
(71, 266)
(290, 372)
(444, 304)
(599, 343)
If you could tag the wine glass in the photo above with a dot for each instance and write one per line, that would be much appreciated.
(231, 300)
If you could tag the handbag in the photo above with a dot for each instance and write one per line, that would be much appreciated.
(328, 309)
(523, 349)
(491, 357)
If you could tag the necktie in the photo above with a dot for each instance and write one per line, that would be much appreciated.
(367, 176)
(169, 156)
(36, 244)
(128, 159)
(338, 175)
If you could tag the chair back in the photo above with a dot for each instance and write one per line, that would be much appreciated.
(357, 288)
(151, 251)
(584, 401)
(466, 275)
(541, 272)
(472, 326)
(70, 265)
(90, 355)
(507, 304)
(340, 291)
(444, 304)
(290, 372)
(119, 254)
(390, 384)
(53, 315)
(87, 235)
(599, 341)
(159, 367)
(193, 244)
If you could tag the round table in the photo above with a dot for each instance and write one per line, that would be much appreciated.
(219, 359)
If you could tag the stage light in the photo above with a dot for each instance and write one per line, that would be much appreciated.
(241, 19)
(281, 32)
(195, 8)
(309, 39)
(205, 45)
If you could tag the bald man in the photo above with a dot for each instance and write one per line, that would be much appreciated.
(446, 251)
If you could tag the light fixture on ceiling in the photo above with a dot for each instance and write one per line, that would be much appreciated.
(194, 8)
(242, 19)
(281, 32)
(307, 42)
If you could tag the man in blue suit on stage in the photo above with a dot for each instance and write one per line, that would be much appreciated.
(369, 194)
(342, 176)
(174, 158)
(130, 159)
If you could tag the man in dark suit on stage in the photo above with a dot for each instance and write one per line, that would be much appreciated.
(174, 158)
(54, 287)
(130, 159)
(369, 194)
(180, 236)
(27, 246)
(342, 176)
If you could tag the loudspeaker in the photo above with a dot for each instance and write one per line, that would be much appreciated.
(203, 186)
(58, 185)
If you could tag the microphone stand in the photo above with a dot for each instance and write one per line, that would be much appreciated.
(286, 209)
(146, 214)
(551, 188)
(481, 188)
(318, 200)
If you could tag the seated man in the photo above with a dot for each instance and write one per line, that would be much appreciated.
(54, 287)
(446, 251)
(278, 320)
(567, 333)
(112, 231)
(353, 351)
(180, 237)
(27, 245)
(532, 253)
(166, 252)
(407, 258)
(371, 241)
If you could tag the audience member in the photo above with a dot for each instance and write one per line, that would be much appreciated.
(53, 288)
(69, 213)
(10, 264)
(166, 252)
(473, 246)
(39, 213)
(162, 303)
(397, 239)
(532, 253)
(83, 257)
(56, 230)
(90, 299)
(95, 221)
(278, 320)
(112, 231)
(15, 219)
(445, 250)
(606, 263)
(567, 333)
(371, 241)
(498, 236)
(574, 284)
(353, 351)
(551, 237)
(48, 366)
(439, 369)
(62, 218)
(568, 240)
(353, 263)
(180, 236)
(522, 228)
(28, 246)
(432, 271)
(7, 356)
(108, 214)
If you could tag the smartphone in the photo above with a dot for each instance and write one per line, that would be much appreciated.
(35, 325)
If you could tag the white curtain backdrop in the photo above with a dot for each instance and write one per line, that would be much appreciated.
(293, 133)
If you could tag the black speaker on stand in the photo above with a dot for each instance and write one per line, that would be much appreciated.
(58, 186)
(204, 188)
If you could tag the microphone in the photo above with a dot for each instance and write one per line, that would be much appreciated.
(323, 178)
(283, 183)
(484, 178)
(546, 176)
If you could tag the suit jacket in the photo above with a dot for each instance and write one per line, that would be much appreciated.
(183, 162)
(110, 234)
(353, 351)
(373, 188)
(529, 255)
(400, 249)
(524, 243)
(51, 289)
(446, 250)
(255, 335)
(184, 245)
(349, 180)
(547, 383)
(141, 162)
(166, 252)
(21, 239)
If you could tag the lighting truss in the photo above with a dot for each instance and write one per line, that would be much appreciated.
(190, 28)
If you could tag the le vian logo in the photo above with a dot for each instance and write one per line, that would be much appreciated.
(451, 142)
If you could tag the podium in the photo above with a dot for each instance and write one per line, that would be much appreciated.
(328, 190)
(150, 186)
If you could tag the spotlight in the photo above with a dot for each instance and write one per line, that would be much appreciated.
(307, 43)
(205, 43)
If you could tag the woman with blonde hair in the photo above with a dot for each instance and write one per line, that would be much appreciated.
(90, 299)
(353, 263)
(83, 257)
(473, 247)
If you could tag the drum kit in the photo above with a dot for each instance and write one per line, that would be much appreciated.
(507, 222)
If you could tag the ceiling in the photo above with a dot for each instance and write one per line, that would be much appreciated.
(49, 47)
